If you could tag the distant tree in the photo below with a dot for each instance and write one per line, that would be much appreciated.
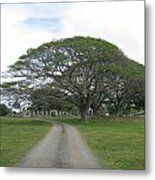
(16, 94)
(48, 98)
(126, 87)
(4, 110)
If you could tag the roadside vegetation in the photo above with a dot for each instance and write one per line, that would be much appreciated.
(18, 135)
(118, 143)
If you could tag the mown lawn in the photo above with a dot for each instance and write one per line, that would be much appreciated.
(117, 143)
(18, 135)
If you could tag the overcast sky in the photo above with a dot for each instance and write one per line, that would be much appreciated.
(29, 25)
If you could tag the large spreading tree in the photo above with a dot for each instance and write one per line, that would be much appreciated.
(84, 70)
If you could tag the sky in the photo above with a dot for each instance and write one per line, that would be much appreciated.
(25, 26)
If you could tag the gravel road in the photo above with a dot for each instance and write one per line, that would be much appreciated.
(62, 147)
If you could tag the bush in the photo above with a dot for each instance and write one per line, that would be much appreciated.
(4, 110)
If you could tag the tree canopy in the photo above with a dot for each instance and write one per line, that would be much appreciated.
(85, 71)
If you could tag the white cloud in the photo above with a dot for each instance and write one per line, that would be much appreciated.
(118, 22)
(17, 37)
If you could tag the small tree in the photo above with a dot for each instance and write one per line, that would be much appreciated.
(4, 110)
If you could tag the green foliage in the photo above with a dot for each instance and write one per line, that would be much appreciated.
(4, 110)
(48, 98)
(16, 93)
(87, 71)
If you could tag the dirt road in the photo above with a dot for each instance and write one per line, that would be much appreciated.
(63, 147)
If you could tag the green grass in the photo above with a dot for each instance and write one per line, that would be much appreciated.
(118, 144)
(18, 135)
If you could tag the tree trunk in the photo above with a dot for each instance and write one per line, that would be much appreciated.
(83, 114)
(119, 111)
(97, 104)
(95, 111)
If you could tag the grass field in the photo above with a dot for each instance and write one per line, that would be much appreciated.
(18, 136)
(118, 143)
